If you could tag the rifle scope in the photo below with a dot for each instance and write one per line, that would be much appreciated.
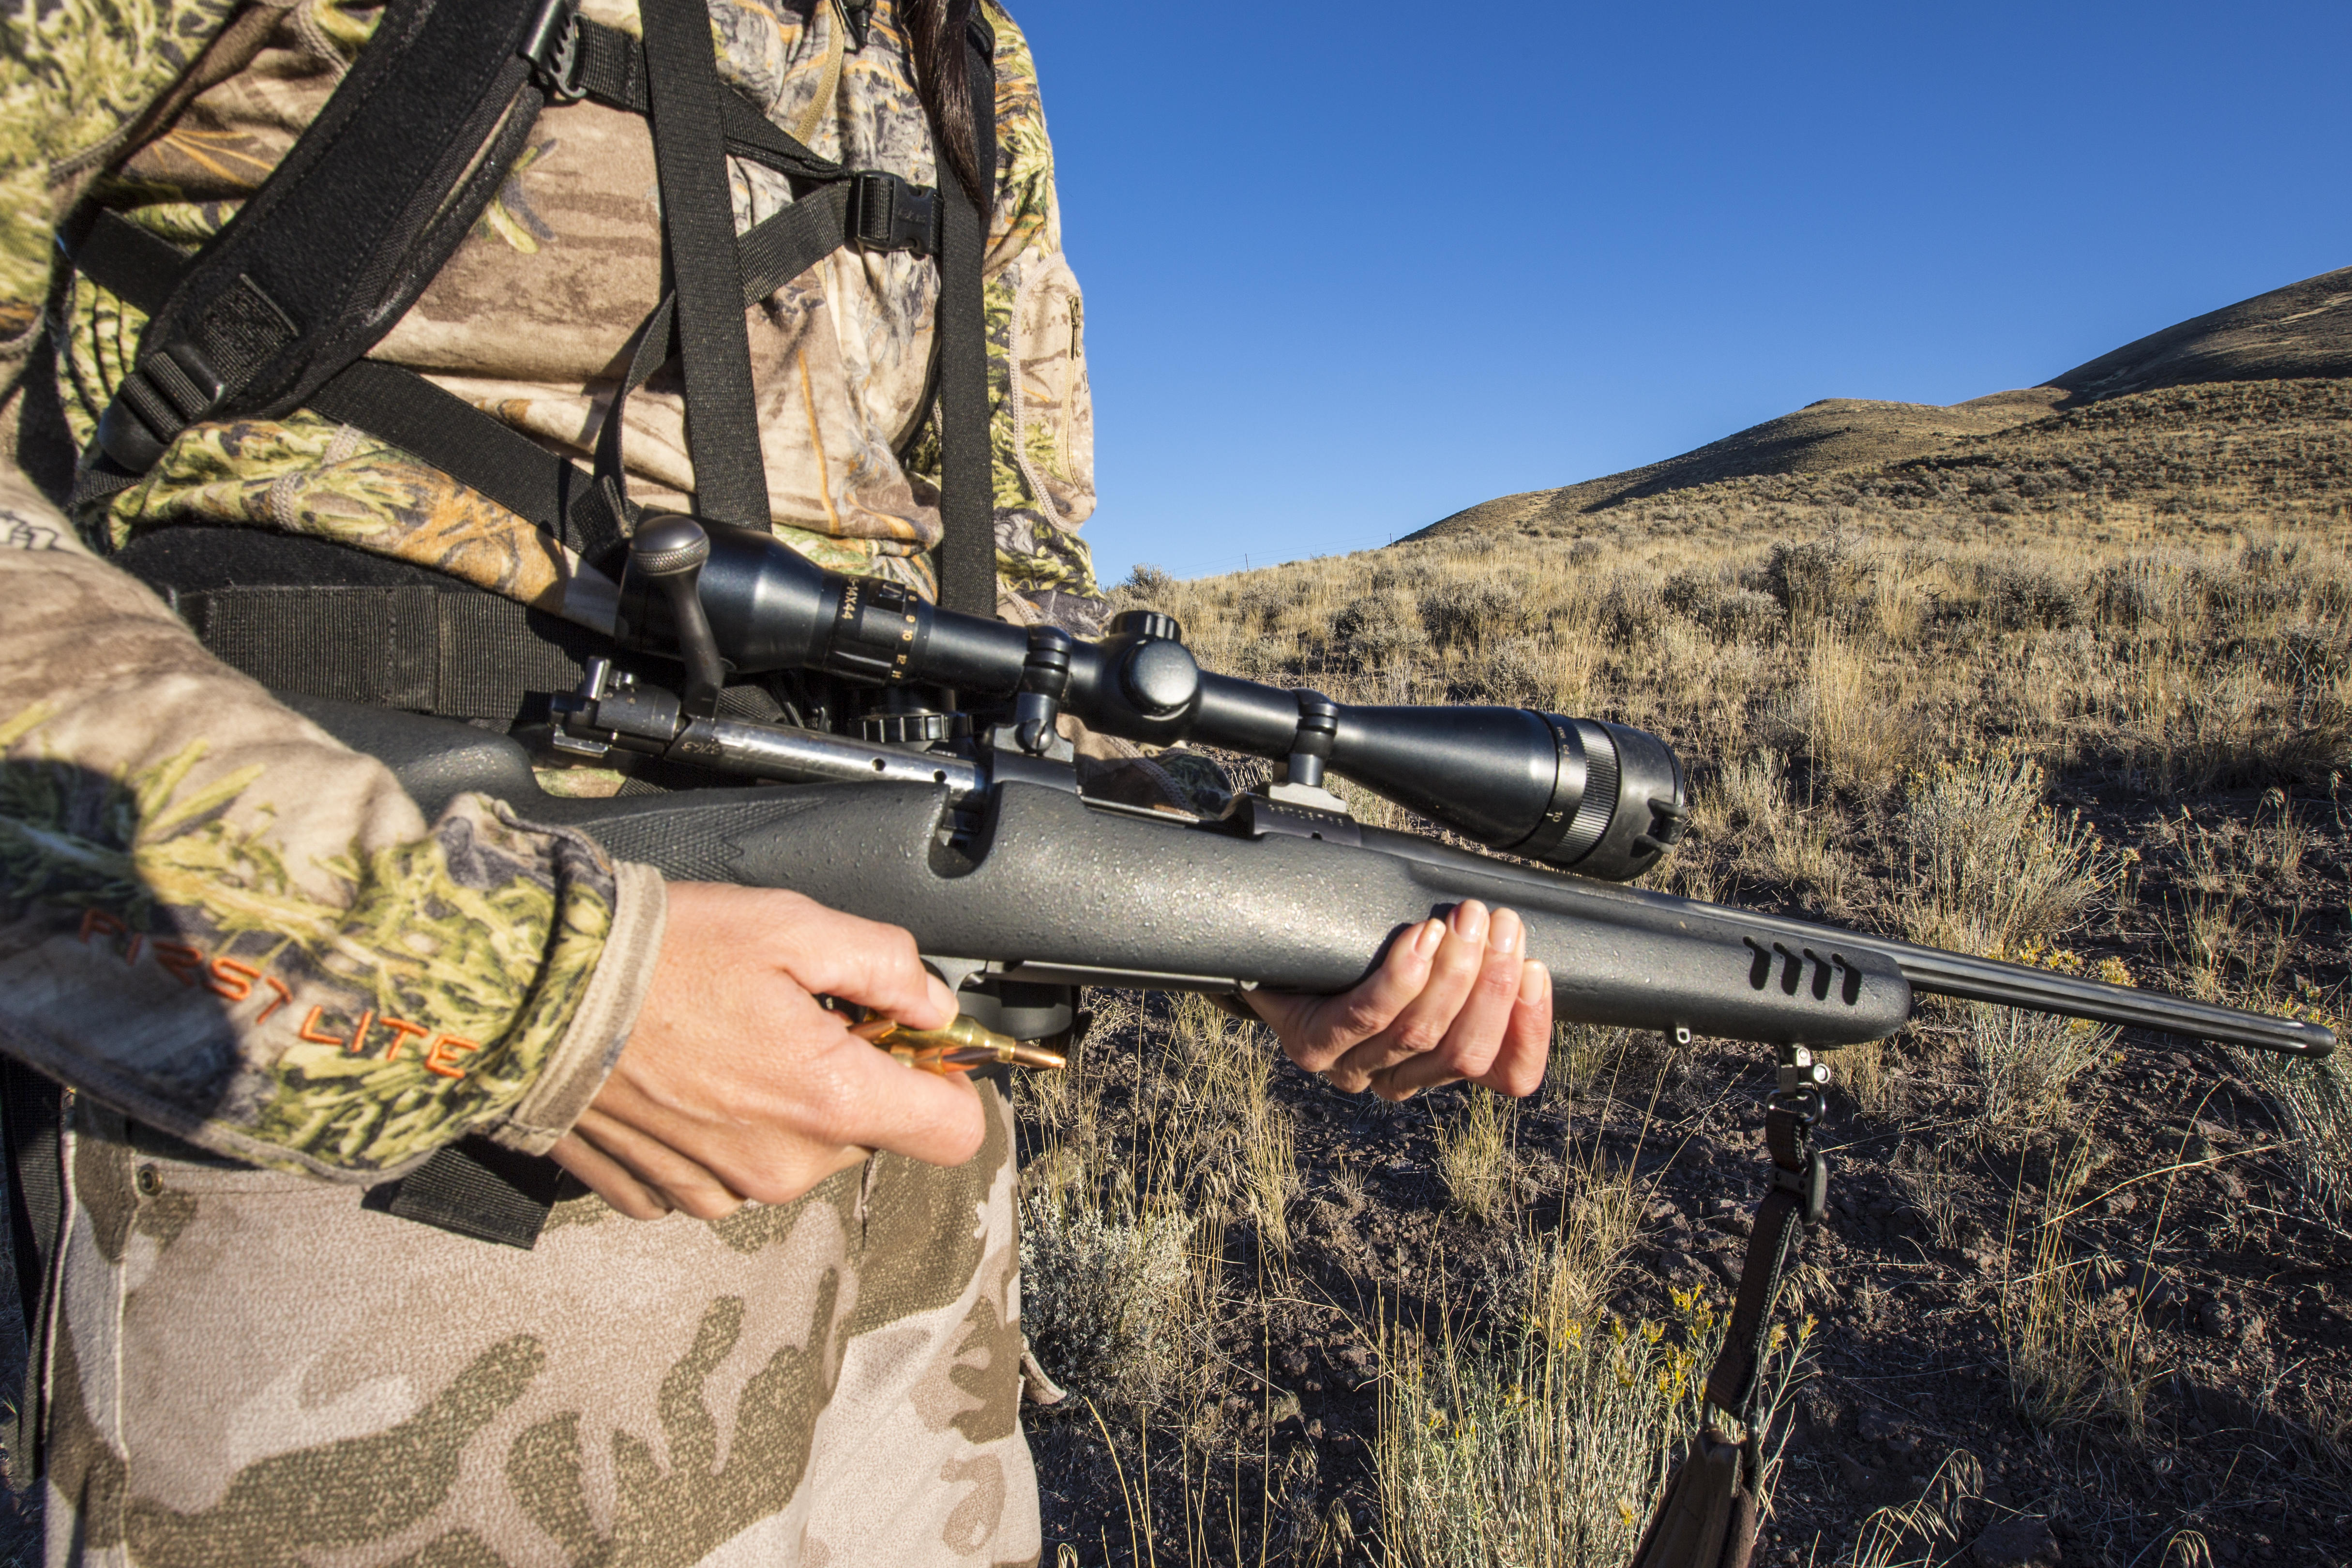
(1603, 799)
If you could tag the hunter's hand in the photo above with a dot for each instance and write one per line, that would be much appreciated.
(735, 1084)
(1456, 998)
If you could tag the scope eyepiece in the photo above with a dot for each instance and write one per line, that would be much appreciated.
(1605, 800)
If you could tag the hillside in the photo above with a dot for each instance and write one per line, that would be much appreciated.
(2302, 332)
(2066, 676)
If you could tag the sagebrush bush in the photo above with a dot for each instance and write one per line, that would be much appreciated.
(1101, 1294)
(1992, 869)
(1373, 629)
(2024, 1062)
(2317, 1098)
(1467, 611)
(1825, 579)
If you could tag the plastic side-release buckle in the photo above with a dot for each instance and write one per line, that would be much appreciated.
(886, 213)
(552, 45)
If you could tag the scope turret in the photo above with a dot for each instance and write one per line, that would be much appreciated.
(1603, 799)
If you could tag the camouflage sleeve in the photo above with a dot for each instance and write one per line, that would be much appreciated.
(218, 920)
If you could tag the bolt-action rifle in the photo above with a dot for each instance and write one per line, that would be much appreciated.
(951, 809)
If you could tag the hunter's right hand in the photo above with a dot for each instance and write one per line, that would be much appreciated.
(736, 1085)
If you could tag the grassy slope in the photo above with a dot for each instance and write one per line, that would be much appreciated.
(2303, 331)
(2132, 620)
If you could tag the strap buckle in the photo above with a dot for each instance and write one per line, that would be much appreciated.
(859, 16)
(886, 213)
(167, 392)
(552, 45)
(1811, 1185)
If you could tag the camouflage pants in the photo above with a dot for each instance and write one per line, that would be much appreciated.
(250, 1368)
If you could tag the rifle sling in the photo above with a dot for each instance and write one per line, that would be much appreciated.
(1708, 1516)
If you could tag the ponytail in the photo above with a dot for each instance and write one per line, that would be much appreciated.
(935, 31)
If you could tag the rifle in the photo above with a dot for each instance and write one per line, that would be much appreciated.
(950, 813)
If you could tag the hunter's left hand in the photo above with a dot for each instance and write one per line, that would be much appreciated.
(1456, 998)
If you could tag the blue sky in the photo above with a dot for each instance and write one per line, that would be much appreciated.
(1349, 268)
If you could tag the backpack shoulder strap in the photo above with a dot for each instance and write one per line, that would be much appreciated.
(346, 232)
(967, 460)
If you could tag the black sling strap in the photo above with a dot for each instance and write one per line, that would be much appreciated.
(967, 482)
(1708, 1516)
(345, 232)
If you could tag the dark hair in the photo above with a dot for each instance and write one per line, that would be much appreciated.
(935, 32)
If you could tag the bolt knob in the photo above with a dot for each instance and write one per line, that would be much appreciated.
(669, 545)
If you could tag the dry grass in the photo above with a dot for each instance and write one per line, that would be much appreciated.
(1569, 1274)
(1991, 869)
(1927, 1531)
(1931, 1179)
(1475, 1157)
(2071, 1358)
(1548, 1445)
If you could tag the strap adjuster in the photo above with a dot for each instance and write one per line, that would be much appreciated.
(859, 16)
(1811, 1185)
(886, 213)
(167, 392)
(552, 45)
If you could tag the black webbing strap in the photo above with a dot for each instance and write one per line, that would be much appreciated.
(967, 481)
(1794, 1203)
(722, 419)
(482, 453)
(462, 655)
(481, 1189)
(612, 72)
(31, 1110)
(345, 232)
(1708, 1516)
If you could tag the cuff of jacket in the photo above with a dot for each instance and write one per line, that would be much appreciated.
(584, 1056)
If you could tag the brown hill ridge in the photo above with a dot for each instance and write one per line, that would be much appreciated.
(2303, 330)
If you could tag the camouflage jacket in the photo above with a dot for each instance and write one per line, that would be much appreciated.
(297, 970)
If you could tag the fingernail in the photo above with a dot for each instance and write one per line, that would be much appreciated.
(1426, 940)
(1534, 980)
(1470, 920)
(1503, 932)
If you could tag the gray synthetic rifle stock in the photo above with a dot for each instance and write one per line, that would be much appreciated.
(1000, 867)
